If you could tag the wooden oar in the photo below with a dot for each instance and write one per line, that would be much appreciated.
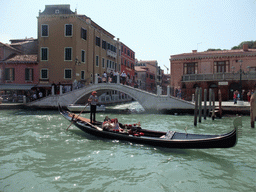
(78, 115)
(96, 127)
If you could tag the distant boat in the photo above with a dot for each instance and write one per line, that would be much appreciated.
(170, 139)
(79, 108)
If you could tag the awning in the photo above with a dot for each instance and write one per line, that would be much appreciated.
(15, 87)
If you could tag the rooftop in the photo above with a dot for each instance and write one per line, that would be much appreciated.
(214, 54)
(22, 59)
(57, 9)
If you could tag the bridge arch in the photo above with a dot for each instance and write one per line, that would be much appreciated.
(149, 101)
(136, 94)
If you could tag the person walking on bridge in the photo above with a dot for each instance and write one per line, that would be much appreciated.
(93, 100)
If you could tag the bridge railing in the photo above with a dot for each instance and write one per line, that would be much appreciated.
(159, 88)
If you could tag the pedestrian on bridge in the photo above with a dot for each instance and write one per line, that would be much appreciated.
(93, 100)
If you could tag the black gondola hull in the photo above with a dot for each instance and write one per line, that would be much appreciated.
(183, 140)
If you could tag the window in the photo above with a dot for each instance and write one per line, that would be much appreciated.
(29, 74)
(44, 54)
(44, 31)
(107, 63)
(68, 30)
(98, 41)
(44, 74)
(97, 61)
(83, 56)
(104, 44)
(82, 75)
(9, 74)
(68, 54)
(103, 63)
(67, 73)
(221, 66)
(83, 33)
(252, 69)
(190, 68)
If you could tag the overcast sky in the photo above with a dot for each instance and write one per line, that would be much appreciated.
(153, 29)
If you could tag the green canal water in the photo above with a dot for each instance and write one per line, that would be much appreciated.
(38, 154)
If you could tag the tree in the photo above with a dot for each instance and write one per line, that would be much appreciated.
(251, 45)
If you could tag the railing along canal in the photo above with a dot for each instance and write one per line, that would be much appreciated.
(219, 76)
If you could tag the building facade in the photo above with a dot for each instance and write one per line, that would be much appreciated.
(128, 63)
(153, 73)
(227, 70)
(18, 67)
(145, 79)
(72, 48)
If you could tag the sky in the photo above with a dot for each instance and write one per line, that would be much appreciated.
(153, 29)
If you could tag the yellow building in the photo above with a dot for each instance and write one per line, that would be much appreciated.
(72, 47)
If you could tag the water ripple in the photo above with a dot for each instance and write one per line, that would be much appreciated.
(38, 154)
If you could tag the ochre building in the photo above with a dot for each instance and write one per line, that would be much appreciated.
(72, 48)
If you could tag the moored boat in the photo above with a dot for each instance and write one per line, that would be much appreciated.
(169, 139)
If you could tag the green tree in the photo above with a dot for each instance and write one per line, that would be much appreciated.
(251, 45)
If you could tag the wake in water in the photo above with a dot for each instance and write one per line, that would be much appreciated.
(134, 107)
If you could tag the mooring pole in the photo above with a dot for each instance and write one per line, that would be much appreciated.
(210, 102)
(253, 109)
(213, 105)
(205, 105)
(220, 100)
(200, 104)
(196, 107)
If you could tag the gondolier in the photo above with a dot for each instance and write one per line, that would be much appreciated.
(93, 100)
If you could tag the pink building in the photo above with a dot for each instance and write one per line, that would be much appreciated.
(227, 70)
(18, 71)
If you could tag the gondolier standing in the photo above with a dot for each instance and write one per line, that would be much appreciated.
(93, 99)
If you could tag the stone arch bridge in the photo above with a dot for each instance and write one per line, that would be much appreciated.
(149, 101)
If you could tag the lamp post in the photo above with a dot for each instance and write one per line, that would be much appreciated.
(240, 83)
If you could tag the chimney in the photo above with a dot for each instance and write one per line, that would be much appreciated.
(245, 47)
(194, 51)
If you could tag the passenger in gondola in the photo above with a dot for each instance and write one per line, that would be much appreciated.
(107, 119)
(106, 125)
(115, 125)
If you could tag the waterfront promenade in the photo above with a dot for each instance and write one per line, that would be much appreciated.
(228, 107)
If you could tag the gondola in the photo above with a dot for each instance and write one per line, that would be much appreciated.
(169, 139)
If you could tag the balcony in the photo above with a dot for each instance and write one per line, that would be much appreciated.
(219, 77)
(111, 54)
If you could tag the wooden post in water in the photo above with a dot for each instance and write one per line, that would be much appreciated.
(210, 102)
(220, 100)
(253, 109)
(205, 105)
(196, 107)
(200, 104)
(213, 105)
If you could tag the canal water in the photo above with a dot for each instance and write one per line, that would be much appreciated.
(38, 154)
